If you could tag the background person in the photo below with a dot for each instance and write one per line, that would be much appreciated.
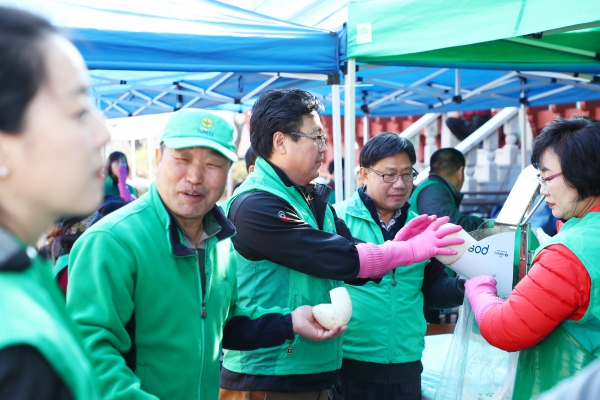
(116, 171)
(289, 239)
(388, 365)
(331, 180)
(66, 233)
(558, 299)
(50, 164)
(152, 286)
(440, 193)
(467, 123)
(250, 159)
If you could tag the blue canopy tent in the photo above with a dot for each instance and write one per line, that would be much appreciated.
(186, 35)
(150, 56)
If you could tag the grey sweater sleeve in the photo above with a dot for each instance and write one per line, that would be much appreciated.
(435, 199)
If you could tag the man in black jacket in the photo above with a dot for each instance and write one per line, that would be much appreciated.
(292, 246)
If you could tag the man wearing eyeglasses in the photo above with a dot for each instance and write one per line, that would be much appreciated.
(388, 365)
(292, 248)
(440, 193)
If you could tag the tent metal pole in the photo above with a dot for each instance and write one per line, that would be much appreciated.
(457, 82)
(259, 88)
(390, 96)
(550, 93)
(551, 46)
(522, 128)
(522, 125)
(349, 123)
(366, 129)
(133, 160)
(337, 142)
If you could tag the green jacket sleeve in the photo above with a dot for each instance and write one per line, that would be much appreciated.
(100, 301)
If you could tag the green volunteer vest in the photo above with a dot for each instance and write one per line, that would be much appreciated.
(574, 344)
(393, 308)
(268, 284)
(415, 195)
(32, 311)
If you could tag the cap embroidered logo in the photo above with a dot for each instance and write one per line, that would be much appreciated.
(207, 123)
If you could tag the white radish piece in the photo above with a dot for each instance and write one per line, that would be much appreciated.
(336, 313)
(461, 248)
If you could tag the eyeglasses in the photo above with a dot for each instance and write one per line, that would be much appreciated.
(319, 139)
(544, 181)
(391, 178)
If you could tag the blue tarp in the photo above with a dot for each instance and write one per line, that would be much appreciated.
(186, 35)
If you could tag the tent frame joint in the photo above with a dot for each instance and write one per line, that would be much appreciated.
(333, 79)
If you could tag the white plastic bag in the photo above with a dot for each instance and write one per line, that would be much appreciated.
(474, 369)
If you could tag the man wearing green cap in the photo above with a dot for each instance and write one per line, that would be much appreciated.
(153, 287)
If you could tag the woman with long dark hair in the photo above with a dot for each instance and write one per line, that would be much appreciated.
(50, 165)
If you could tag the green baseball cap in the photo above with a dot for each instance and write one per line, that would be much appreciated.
(198, 128)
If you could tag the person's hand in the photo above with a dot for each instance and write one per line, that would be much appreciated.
(433, 242)
(482, 294)
(481, 285)
(122, 183)
(305, 325)
(414, 227)
(123, 172)
(377, 260)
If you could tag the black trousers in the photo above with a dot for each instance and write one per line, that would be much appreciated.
(369, 381)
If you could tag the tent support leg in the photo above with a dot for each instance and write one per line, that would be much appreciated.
(366, 129)
(523, 129)
(337, 142)
(133, 163)
(349, 120)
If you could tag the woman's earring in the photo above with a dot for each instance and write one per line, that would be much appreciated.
(3, 171)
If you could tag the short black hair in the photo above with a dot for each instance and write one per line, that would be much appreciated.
(250, 158)
(331, 166)
(23, 66)
(446, 161)
(576, 142)
(279, 110)
(385, 145)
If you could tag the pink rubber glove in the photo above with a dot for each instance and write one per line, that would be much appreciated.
(482, 294)
(122, 183)
(414, 227)
(377, 260)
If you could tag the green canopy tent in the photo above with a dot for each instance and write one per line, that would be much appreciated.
(526, 36)
(546, 35)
